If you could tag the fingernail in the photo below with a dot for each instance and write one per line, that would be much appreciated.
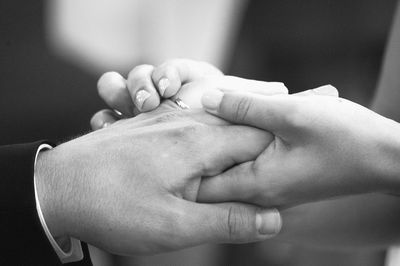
(141, 97)
(212, 99)
(283, 87)
(106, 124)
(328, 90)
(268, 222)
(163, 84)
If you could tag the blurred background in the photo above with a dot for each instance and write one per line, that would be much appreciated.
(52, 53)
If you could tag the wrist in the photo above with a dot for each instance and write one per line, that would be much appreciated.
(386, 166)
(48, 193)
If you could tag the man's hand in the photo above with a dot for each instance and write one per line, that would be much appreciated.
(129, 188)
(323, 146)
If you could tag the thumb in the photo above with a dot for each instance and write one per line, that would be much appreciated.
(326, 90)
(103, 118)
(266, 112)
(227, 223)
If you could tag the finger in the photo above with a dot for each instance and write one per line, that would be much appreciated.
(113, 90)
(102, 119)
(232, 83)
(266, 112)
(141, 88)
(227, 223)
(170, 76)
(226, 146)
(192, 92)
(326, 90)
(241, 183)
(235, 184)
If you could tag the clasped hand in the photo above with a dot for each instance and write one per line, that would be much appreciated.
(130, 188)
(319, 145)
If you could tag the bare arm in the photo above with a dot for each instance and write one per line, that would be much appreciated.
(361, 221)
(364, 221)
(387, 97)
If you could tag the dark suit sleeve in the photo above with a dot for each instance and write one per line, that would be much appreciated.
(23, 240)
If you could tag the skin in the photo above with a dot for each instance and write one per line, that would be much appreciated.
(335, 169)
(326, 144)
(129, 188)
(187, 79)
(365, 221)
(345, 222)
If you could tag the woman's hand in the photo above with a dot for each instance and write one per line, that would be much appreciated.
(141, 91)
(147, 86)
(323, 147)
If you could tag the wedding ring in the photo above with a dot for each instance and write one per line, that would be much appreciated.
(181, 104)
(117, 112)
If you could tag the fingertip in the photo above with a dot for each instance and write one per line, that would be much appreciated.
(167, 80)
(163, 84)
(268, 222)
(147, 101)
(142, 90)
(327, 90)
(102, 119)
(282, 87)
(110, 81)
(112, 88)
(211, 100)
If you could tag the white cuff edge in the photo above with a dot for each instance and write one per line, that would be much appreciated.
(75, 253)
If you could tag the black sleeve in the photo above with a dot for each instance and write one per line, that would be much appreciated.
(24, 241)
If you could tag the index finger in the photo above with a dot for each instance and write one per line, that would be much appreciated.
(269, 113)
(171, 75)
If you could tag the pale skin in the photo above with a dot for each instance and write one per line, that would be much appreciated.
(374, 224)
(369, 220)
(130, 188)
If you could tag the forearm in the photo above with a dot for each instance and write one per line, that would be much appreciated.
(382, 159)
(387, 97)
(365, 221)
(386, 101)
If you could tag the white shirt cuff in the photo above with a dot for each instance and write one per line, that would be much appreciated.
(75, 253)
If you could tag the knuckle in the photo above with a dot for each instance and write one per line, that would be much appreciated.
(282, 88)
(240, 224)
(188, 134)
(295, 113)
(297, 117)
(139, 72)
(167, 67)
(241, 109)
(269, 190)
(191, 134)
(272, 196)
(169, 117)
(170, 71)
